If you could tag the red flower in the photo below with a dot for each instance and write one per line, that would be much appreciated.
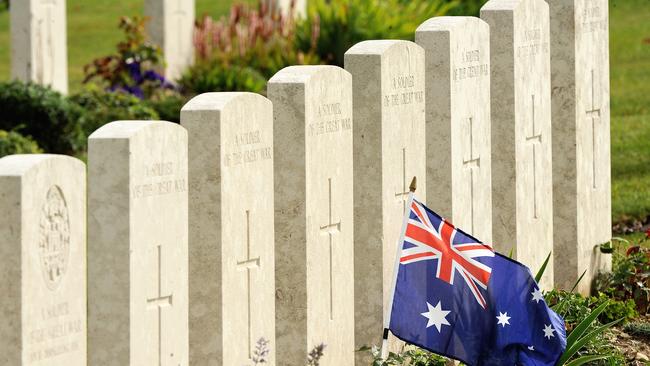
(647, 234)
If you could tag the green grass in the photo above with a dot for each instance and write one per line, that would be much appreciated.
(630, 102)
(92, 31)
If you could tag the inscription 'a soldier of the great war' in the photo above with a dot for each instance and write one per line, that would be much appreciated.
(54, 241)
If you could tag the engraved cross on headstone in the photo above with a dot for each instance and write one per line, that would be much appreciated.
(534, 139)
(247, 265)
(472, 163)
(593, 113)
(404, 193)
(158, 303)
(330, 229)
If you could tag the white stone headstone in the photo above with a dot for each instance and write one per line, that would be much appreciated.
(171, 26)
(232, 268)
(581, 138)
(39, 50)
(457, 94)
(137, 244)
(522, 179)
(314, 253)
(389, 150)
(42, 260)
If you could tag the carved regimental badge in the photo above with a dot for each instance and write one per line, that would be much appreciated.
(54, 241)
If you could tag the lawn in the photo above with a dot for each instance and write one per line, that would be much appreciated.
(92, 32)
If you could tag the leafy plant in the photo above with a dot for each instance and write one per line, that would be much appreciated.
(42, 113)
(261, 352)
(243, 51)
(12, 142)
(102, 107)
(630, 277)
(468, 8)
(412, 356)
(314, 356)
(333, 26)
(134, 68)
(638, 328)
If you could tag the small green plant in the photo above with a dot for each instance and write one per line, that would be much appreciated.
(12, 142)
(333, 26)
(641, 329)
(411, 356)
(135, 67)
(630, 277)
(314, 356)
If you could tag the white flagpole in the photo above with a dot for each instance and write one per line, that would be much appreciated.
(400, 244)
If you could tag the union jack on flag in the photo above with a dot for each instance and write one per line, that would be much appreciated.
(429, 237)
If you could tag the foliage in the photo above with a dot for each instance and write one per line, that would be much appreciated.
(333, 26)
(44, 114)
(102, 107)
(261, 352)
(12, 142)
(586, 339)
(314, 356)
(638, 328)
(133, 68)
(630, 277)
(412, 356)
(468, 8)
(244, 50)
(168, 108)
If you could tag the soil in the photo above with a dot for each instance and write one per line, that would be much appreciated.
(634, 347)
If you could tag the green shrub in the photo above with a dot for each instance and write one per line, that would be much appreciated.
(641, 329)
(102, 107)
(12, 142)
(212, 76)
(46, 115)
(468, 8)
(333, 26)
(168, 107)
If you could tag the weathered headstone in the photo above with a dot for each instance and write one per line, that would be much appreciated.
(314, 263)
(42, 260)
(522, 179)
(137, 244)
(457, 94)
(581, 138)
(232, 276)
(171, 26)
(389, 149)
(39, 50)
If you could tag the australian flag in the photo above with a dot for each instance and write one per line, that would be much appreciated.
(458, 298)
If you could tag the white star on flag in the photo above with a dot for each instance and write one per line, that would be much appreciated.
(531, 348)
(503, 319)
(537, 295)
(548, 331)
(436, 316)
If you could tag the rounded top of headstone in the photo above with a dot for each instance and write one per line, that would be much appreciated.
(21, 164)
(303, 73)
(128, 129)
(219, 101)
(448, 23)
(505, 5)
(380, 46)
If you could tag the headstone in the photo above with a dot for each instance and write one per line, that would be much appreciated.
(314, 253)
(232, 269)
(39, 50)
(137, 244)
(457, 94)
(42, 260)
(581, 139)
(522, 179)
(171, 26)
(298, 7)
(389, 150)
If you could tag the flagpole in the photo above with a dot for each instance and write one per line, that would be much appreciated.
(400, 243)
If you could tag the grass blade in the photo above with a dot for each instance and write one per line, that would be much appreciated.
(578, 281)
(575, 347)
(584, 359)
(540, 273)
